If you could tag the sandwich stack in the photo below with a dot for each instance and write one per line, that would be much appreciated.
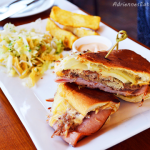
(79, 112)
(89, 84)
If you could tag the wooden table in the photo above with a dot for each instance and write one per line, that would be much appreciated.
(13, 135)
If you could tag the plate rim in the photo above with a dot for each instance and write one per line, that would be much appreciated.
(143, 127)
(51, 2)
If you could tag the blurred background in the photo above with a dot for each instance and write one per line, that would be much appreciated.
(120, 18)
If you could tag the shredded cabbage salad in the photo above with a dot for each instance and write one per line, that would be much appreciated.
(28, 53)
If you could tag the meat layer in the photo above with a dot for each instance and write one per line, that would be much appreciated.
(90, 124)
(97, 77)
(90, 84)
(92, 79)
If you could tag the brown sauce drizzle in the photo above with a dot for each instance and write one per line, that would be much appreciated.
(141, 103)
(50, 100)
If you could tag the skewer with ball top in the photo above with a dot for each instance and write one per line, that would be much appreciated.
(118, 39)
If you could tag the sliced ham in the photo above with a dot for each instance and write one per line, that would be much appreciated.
(73, 138)
(95, 122)
(90, 84)
(89, 125)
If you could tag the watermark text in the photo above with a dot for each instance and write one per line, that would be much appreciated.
(124, 4)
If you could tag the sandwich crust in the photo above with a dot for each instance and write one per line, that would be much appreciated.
(122, 58)
(124, 65)
(79, 112)
(133, 99)
(85, 100)
(147, 96)
(136, 99)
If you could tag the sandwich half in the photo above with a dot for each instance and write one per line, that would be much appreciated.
(124, 72)
(78, 112)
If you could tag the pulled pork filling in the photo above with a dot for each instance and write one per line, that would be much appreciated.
(97, 77)
(67, 122)
(76, 126)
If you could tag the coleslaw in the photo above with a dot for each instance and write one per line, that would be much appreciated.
(28, 53)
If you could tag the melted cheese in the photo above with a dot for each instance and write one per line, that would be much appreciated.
(60, 106)
(73, 63)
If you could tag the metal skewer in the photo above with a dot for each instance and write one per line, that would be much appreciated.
(118, 39)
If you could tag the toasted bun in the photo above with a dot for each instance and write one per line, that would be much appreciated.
(147, 97)
(124, 65)
(85, 100)
(122, 58)
(135, 99)
(125, 60)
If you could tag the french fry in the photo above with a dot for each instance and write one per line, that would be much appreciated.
(1, 60)
(36, 71)
(24, 65)
(30, 42)
(32, 77)
(24, 73)
(48, 38)
(80, 32)
(4, 47)
(68, 18)
(17, 65)
(67, 37)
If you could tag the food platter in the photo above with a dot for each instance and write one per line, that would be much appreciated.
(32, 108)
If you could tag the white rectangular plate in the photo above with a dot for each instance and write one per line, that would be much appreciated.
(32, 108)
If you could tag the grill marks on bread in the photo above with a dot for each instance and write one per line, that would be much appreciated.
(124, 58)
